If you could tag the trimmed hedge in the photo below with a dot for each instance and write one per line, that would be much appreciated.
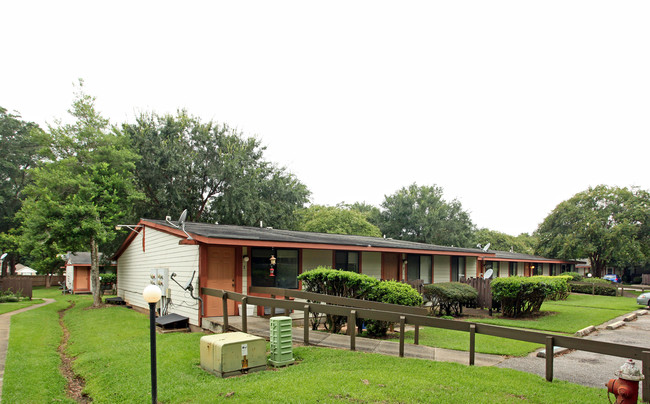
(336, 282)
(600, 286)
(520, 295)
(448, 298)
(575, 277)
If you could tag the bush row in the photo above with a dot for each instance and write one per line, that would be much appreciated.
(448, 298)
(599, 286)
(336, 282)
(524, 295)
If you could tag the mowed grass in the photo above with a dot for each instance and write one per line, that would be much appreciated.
(575, 313)
(32, 365)
(112, 350)
(12, 306)
(565, 317)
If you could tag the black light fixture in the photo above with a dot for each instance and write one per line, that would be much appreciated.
(152, 294)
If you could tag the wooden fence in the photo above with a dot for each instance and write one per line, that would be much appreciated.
(645, 279)
(18, 284)
(482, 286)
(403, 315)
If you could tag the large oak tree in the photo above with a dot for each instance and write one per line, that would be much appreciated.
(82, 192)
(211, 170)
(608, 225)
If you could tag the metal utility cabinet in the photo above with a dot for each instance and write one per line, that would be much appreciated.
(232, 353)
(281, 341)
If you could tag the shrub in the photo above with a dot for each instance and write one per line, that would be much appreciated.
(394, 293)
(336, 282)
(9, 297)
(575, 277)
(598, 286)
(522, 295)
(449, 297)
(108, 278)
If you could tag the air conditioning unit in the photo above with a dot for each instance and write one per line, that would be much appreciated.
(232, 353)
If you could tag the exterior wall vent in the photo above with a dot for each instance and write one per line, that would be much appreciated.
(281, 341)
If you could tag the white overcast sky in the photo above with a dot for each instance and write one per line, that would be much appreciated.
(510, 106)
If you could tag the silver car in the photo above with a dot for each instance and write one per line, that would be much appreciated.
(643, 299)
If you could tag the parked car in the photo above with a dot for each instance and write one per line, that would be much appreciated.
(643, 299)
(612, 278)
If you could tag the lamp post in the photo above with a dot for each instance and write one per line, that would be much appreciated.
(152, 294)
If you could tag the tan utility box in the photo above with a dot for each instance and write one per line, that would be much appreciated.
(232, 353)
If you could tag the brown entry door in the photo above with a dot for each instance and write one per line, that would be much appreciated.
(220, 275)
(81, 280)
(390, 266)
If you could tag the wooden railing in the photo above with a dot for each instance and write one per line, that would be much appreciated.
(402, 315)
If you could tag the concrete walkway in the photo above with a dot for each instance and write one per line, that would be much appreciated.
(5, 322)
(260, 326)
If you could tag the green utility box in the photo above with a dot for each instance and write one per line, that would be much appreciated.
(232, 353)
(281, 341)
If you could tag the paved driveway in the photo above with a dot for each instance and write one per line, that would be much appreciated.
(587, 368)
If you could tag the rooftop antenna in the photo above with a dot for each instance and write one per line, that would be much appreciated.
(181, 223)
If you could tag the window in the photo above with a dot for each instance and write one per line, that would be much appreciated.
(457, 268)
(553, 268)
(347, 261)
(512, 270)
(418, 267)
(286, 268)
(536, 269)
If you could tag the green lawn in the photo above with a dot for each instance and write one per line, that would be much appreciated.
(11, 306)
(565, 317)
(575, 313)
(111, 346)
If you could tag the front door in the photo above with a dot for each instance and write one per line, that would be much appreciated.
(390, 266)
(220, 275)
(81, 280)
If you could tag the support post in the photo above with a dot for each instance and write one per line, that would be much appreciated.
(416, 335)
(306, 324)
(244, 315)
(645, 370)
(352, 328)
(272, 307)
(402, 326)
(152, 340)
(224, 306)
(472, 343)
(549, 358)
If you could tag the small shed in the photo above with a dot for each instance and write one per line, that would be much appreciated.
(77, 271)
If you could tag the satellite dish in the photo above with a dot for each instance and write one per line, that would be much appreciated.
(188, 285)
(3, 256)
(181, 220)
(488, 273)
(487, 247)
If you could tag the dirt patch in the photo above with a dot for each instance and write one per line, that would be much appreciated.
(75, 383)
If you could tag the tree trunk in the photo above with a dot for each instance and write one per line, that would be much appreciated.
(94, 272)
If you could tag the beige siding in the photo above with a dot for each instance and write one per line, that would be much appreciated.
(470, 267)
(371, 264)
(312, 259)
(161, 251)
(441, 268)
(69, 276)
(503, 269)
(546, 269)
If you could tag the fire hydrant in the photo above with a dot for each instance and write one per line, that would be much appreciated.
(626, 387)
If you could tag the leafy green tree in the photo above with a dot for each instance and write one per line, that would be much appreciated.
(211, 170)
(419, 213)
(523, 243)
(20, 145)
(370, 212)
(609, 225)
(78, 196)
(336, 220)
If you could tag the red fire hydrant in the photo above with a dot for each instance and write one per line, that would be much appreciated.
(626, 387)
